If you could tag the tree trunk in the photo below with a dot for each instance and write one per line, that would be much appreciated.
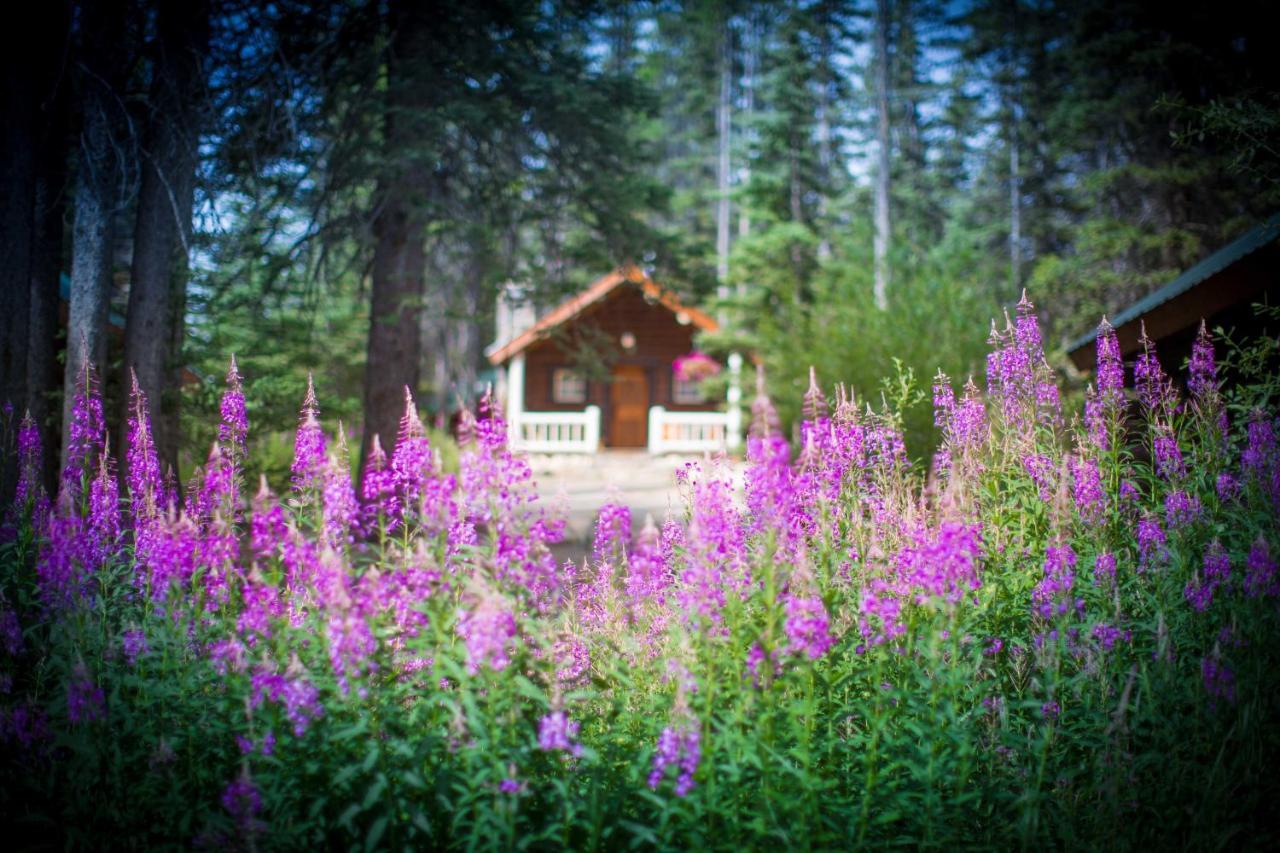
(17, 188)
(44, 372)
(162, 230)
(399, 258)
(98, 194)
(750, 58)
(724, 58)
(881, 245)
(824, 132)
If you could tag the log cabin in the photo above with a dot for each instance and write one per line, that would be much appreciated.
(612, 367)
(1221, 290)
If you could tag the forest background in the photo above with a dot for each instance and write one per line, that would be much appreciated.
(342, 187)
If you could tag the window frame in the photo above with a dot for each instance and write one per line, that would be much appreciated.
(560, 375)
(696, 398)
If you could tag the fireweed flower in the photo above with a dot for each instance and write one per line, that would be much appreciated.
(411, 459)
(1260, 577)
(807, 627)
(1203, 379)
(341, 510)
(679, 746)
(487, 631)
(85, 432)
(556, 732)
(1219, 680)
(1227, 487)
(1104, 570)
(1107, 635)
(378, 488)
(1181, 509)
(143, 465)
(243, 802)
(879, 614)
(613, 531)
(1090, 499)
(308, 447)
(942, 564)
(299, 697)
(1042, 471)
(1152, 545)
(1154, 388)
(1052, 596)
(10, 630)
(134, 645)
(86, 703)
(233, 430)
(1104, 406)
(1168, 457)
(715, 561)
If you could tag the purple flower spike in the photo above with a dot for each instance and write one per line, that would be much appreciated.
(678, 746)
(1203, 380)
(145, 485)
(807, 627)
(308, 449)
(556, 732)
(411, 462)
(234, 429)
(85, 431)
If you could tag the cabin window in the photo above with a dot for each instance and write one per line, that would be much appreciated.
(568, 386)
(687, 392)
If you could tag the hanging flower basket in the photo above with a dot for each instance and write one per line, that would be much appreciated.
(694, 367)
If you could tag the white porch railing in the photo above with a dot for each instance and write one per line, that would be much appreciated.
(688, 432)
(557, 432)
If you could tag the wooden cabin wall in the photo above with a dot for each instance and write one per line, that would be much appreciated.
(660, 339)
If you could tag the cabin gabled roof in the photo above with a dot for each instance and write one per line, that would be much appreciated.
(1166, 298)
(599, 290)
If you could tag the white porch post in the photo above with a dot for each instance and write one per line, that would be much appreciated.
(515, 399)
(655, 428)
(733, 439)
(591, 432)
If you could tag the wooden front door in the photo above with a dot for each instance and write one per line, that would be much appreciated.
(629, 406)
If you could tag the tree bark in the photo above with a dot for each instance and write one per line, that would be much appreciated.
(881, 245)
(399, 258)
(99, 192)
(17, 188)
(162, 230)
(44, 372)
(724, 59)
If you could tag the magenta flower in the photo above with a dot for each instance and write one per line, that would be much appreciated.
(556, 732)
(1181, 509)
(1090, 499)
(1104, 570)
(1260, 572)
(86, 433)
(144, 483)
(487, 631)
(1219, 680)
(300, 698)
(308, 449)
(233, 431)
(134, 645)
(1203, 379)
(678, 746)
(86, 703)
(613, 532)
(1154, 388)
(1052, 595)
(807, 627)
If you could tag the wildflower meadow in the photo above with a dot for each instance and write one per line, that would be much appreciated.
(1064, 634)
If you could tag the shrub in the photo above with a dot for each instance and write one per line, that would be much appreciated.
(1064, 637)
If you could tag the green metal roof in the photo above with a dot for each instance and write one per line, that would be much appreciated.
(1254, 239)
